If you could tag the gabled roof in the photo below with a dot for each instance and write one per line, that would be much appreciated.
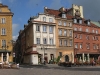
(57, 13)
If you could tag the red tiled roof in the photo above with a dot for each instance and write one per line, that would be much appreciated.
(57, 13)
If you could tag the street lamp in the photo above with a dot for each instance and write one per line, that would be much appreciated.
(44, 47)
(5, 47)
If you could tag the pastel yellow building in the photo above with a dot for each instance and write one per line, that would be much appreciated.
(5, 34)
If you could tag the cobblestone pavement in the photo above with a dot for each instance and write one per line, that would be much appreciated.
(52, 70)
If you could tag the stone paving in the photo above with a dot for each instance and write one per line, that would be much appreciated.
(52, 70)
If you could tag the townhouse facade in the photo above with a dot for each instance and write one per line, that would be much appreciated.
(64, 34)
(38, 39)
(5, 34)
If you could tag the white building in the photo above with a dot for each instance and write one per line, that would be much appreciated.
(40, 39)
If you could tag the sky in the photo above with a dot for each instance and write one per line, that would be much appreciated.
(24, 9)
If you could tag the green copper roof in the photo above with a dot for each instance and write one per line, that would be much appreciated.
(2, 50)
(96, 23)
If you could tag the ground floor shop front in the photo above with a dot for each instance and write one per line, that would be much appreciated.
(87, 57)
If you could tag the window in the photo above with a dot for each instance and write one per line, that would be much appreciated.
(59, 23)
(88, 46)
(60, 54)
(70, 42)
(97, 46)
(70, 24)
(94, 46)
(44, 28)
(75, 36)
(70, 33)
(3, 20)
(80, 36)
(76, 45)
(88, 23)
(80, 29)
(75, 20)
(51, 29)
(51, 41)
(38, 40)
(93, 37)
(60, 42)
(87, 30)
(75, 29)
(37, 28)
(96, 31)
(87, 37)
(65, 33)
(3, 31)
(96, 37)
(60, 32)
(44, 18)
(80, 46)
(63, 15)
(50, 20)
(80, 21)
(93, 31)
(64, 23)
(3, 42)
(44, 41)
(65, 42)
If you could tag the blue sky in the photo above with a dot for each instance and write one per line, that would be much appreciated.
(24, 9)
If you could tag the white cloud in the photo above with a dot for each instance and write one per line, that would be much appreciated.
(15, 37)
(0, 1)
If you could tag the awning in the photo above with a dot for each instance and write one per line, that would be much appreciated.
(31, 52)
(2, 50)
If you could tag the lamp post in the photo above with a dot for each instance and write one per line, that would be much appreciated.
(44, 47)
(5, 47)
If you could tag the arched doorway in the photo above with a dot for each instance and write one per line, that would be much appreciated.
(66, 58)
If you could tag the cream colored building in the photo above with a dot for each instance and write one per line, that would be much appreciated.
(5, 34)
(64, 34)
(40, 39)
(72, 11)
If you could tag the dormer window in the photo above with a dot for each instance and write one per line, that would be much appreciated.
(80, 21)
(44, 18)
(63, 15)
(88, 22)
(75, 20)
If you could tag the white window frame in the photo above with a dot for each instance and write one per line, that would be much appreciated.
(37, 40)
(44, 40)
(3, 20)
(65, 32)
(63, 15)
(93, 31)
(59, 22)
(75, 20)
(96, 31)
(51, 29)
(44, 28)
(3, 42)
(80, 29)
(3, 31)
(65, 43)
(51, 41)
(76, 45)
(50, 20)
(75, 29)
(87, 30)
(60, 32)
(81, 46)
(37, 27)
(44, 19)
(70, 24)
(70, 43)
(60, 42)
(65, 24)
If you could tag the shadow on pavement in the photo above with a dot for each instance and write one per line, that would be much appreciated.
(73, 68)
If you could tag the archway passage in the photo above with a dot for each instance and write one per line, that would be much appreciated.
(66, 58)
